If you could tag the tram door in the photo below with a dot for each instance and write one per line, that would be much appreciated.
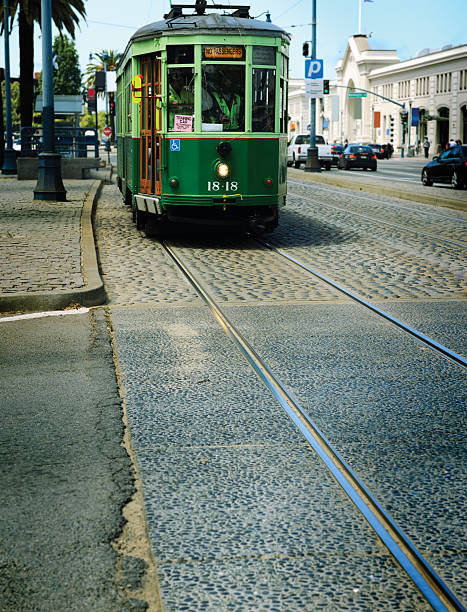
(150, 132)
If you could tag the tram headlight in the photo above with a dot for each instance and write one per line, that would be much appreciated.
(222, 170)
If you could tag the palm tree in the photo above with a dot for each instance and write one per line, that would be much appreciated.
(65, 13)
(113, 58)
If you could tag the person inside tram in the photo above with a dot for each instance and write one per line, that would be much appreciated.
(181, 98)
(222, 102)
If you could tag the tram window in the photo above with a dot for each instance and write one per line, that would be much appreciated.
(264, 56)
(180, 99)
(180, 54)
(223, 98)
(263, 99)
(283, 111)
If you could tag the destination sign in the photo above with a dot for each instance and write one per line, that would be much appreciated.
(223, 52)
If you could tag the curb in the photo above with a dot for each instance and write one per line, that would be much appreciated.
(395, 192)
(93, 292)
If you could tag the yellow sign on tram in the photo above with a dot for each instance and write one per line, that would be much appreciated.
(136, 88)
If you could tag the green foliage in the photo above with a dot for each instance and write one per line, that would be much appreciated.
(65, 13)
(67, 73)
(67, 76)
(89, 121)
(15, 119)
(98, 64)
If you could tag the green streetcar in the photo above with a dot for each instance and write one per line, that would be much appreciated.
(202, 120)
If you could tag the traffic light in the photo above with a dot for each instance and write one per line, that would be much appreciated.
(325, 86)
(100, 81)
(112, 107)
(306, 49)
(404, 117)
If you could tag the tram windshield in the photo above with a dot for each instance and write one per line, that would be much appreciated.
(223, 98)
(181, 99)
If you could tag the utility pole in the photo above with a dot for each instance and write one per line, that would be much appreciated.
(9, 156)
(312, 161)
(49, 178)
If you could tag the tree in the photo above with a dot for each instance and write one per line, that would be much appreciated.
(89, 120)
(14, 104)
(65, 13)
(67, 73)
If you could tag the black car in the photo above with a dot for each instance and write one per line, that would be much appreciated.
(336, 151)
(357, 156)
(449, 167)
(378, 151)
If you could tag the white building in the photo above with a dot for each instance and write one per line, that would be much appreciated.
(432, 86)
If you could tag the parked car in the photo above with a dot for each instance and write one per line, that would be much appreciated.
(357, 156)
(449, 167)
(297, 151)
(336, 150)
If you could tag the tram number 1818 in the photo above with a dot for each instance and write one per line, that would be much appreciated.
(222, 186)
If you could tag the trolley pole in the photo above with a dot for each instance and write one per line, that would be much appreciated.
(312, 161)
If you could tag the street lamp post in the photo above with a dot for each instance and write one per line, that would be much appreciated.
(105, 57)
(312, 161)
(9, 156)
(49, 178)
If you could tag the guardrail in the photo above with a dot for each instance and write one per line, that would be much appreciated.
(69, 141)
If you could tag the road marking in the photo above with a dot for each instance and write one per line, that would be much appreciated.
(38, 315)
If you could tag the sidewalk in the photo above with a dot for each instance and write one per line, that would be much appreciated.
(47, 253)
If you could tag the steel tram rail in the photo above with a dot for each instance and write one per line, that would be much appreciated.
(368, 218)
(435, 346)
(432, 587)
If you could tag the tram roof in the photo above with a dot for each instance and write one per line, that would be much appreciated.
(209, 23)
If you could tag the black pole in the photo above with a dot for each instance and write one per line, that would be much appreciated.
(97, 130)
(9, 155)
(49, 178)
(312, 160)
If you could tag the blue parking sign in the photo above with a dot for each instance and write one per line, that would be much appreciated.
(314, 69)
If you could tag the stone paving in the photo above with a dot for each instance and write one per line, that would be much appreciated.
(214, 454)
(376, 261)
(40, 240)
(238, 269)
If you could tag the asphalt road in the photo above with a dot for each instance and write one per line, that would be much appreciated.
(404, 170)
(64, 473)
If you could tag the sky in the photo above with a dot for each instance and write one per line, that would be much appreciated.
(406, 26)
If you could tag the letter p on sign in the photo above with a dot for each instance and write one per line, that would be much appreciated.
(313, 68)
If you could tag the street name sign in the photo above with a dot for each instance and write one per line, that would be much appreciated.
(313, 88)
(356, 94)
